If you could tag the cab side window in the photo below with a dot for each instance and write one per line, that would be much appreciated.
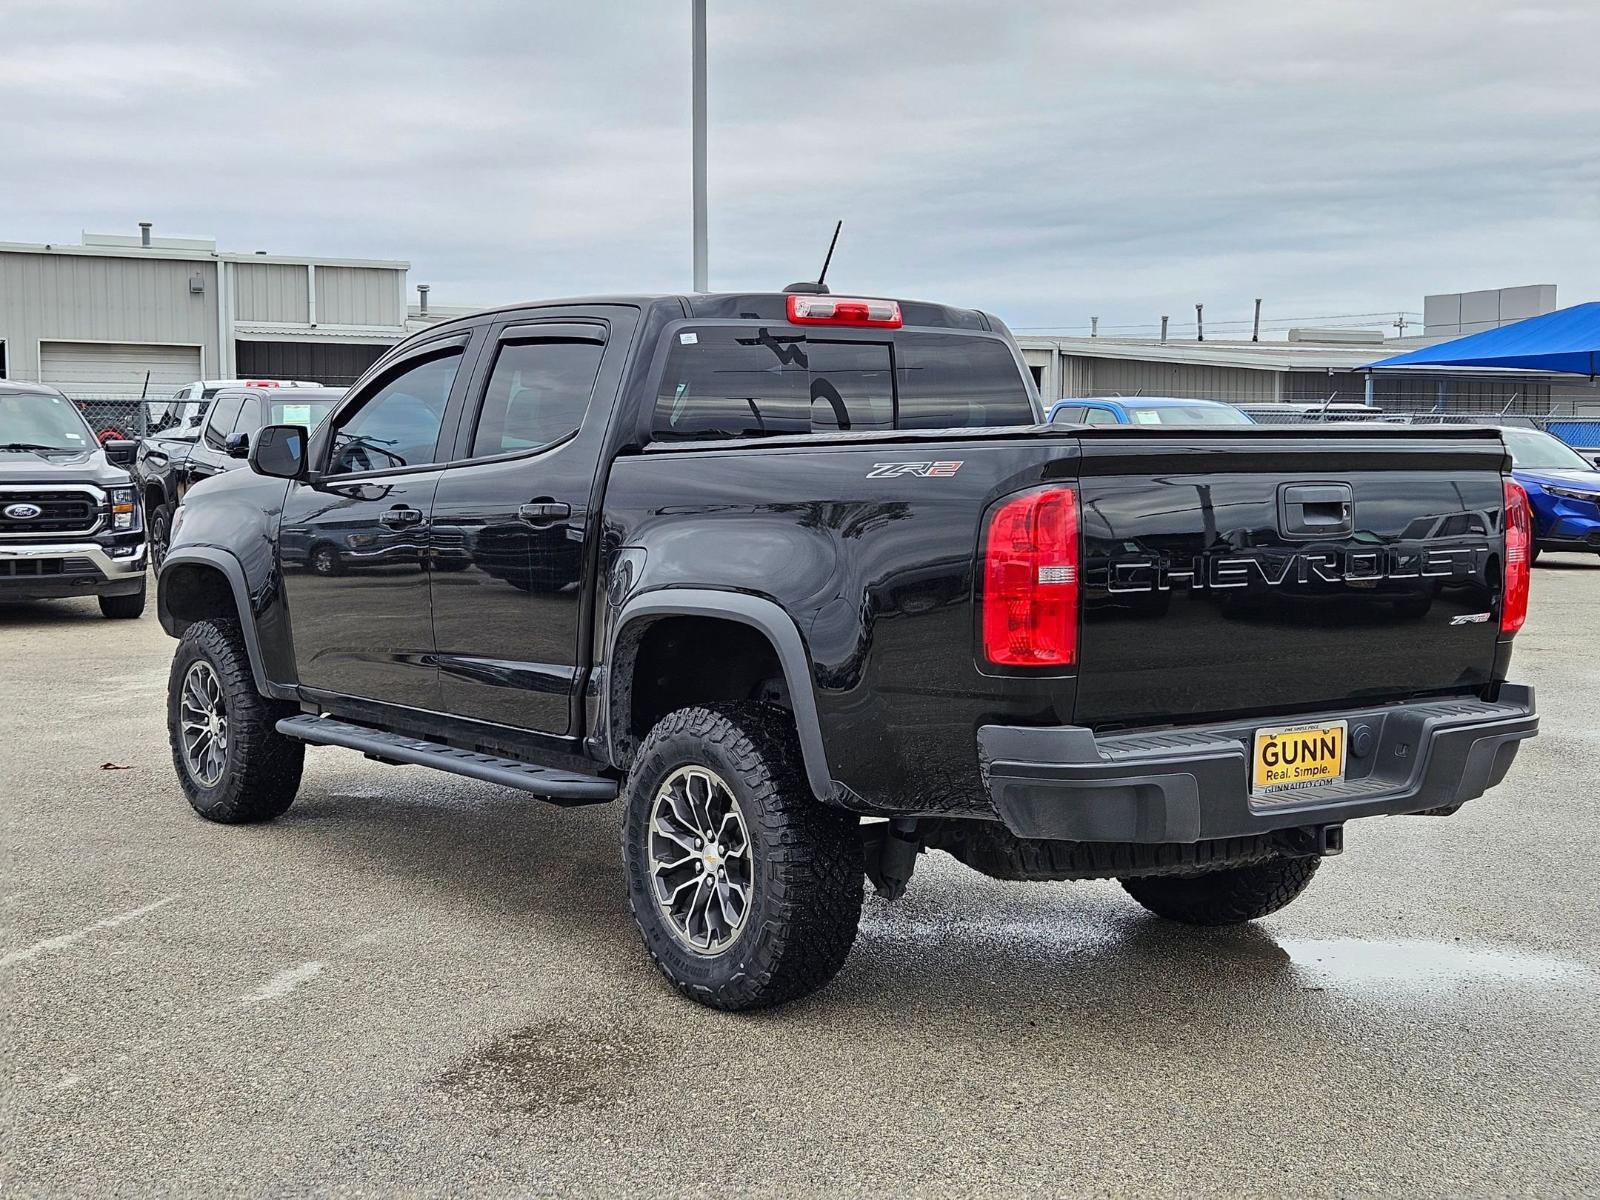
(538, 392)
(398, 424)
(1100, 416)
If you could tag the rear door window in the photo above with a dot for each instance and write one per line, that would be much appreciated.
(538, 393)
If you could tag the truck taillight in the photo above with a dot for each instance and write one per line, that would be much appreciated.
(1030, 580)
(844, 310)
(1519, 558)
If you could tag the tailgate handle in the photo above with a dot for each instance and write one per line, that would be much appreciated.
(1316, 509)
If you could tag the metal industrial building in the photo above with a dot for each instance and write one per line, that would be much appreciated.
(1315, 365)
(122, 316)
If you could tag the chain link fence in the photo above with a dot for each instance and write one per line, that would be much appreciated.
(132, 418)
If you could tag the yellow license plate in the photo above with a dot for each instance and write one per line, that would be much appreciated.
(1290, 757)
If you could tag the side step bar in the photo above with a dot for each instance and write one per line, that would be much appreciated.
(560, 787)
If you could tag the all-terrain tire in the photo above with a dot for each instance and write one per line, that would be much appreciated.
(261, 770)
(1230, 896)
(124, 608)
(807, 874)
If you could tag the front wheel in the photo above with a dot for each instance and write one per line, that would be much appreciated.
(1229, 896)
(124, 608)
(325, 560)
(233, 764)
(747, 890)
(160, 534)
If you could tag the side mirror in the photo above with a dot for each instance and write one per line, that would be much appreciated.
(238, 445)
(120, 453)
(279, 451)
(1595, 458)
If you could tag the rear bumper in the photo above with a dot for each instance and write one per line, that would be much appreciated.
(61, 569)
(1192, 784)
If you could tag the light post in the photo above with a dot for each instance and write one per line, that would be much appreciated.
(698, 109)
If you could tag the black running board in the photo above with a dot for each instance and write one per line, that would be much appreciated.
(559, 787)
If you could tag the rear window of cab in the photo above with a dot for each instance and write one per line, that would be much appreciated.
(753, 380)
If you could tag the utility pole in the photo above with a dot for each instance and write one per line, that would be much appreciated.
(1163, 329)
(1400, 323)
(1255, 328)
(698, 110)
(1199, 323)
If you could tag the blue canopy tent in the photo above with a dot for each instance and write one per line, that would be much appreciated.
(1566, 341)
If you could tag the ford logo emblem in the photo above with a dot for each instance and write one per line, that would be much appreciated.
(22, 512)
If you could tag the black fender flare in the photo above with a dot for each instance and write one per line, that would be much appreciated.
(233, 572)
(766, 617)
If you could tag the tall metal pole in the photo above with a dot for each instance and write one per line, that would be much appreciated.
(698, 105)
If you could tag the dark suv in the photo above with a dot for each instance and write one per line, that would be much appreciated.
(170, 463)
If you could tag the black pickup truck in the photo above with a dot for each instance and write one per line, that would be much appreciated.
(802, 581)
(169, 463)
(70, 521)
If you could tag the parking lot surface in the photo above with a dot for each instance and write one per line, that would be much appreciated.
(418, 984)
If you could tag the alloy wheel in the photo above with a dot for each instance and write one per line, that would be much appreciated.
(204, 718)
(700, 862)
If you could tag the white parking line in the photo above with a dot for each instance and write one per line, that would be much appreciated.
(284, 982)
(66, 939)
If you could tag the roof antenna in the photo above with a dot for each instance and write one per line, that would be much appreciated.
(819, 288)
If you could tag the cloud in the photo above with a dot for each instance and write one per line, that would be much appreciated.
(1049, 161)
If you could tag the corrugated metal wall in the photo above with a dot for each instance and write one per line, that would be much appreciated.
(77, 297)
(270, 292)
(358, 296)
(1087, 376)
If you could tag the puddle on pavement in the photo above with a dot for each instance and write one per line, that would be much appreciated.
(1415, 965)
(1397, 966)
(543, 1067)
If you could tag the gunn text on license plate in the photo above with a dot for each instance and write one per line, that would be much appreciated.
(1290, 757)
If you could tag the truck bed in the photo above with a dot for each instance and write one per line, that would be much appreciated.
(1197, 604)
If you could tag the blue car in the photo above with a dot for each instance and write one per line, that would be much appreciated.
(1563, 490)
(1145, 410)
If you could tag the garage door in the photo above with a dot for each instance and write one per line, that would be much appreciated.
(117, 368)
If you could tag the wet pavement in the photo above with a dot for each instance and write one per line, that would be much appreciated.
(414, 984)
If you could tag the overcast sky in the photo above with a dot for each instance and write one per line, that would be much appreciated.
(1046, 161)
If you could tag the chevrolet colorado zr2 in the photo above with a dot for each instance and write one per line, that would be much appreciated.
(70, 519)
(802, 582)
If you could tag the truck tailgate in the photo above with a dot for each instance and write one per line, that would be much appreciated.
(1249, 572)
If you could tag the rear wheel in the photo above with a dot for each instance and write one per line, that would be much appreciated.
(233, 764)
(747, 890)
(124, 608)
(1230, 896)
